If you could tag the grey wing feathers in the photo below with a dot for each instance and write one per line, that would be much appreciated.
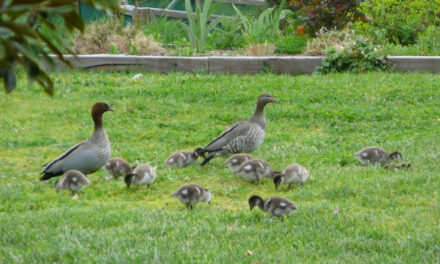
(61, 157)
(234, 131)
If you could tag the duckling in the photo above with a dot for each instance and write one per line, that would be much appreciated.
(141, 175)
(191, 194)
(278, 206)
(255, 170)
(236, 160)
(292, 173)
(183, 158)
(73, 180)
(118, 167)
(375, 156)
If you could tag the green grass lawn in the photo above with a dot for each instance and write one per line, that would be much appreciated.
(384, 216)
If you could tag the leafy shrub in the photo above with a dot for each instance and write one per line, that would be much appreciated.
(166, 31)
(227, 35)
(266, 26)
(359, 57)
(336, 39)
(397, 22)
(291, 44)
(316, 14)
(109, 35)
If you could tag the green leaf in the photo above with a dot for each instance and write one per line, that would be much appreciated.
(73, 20)
(20, 29)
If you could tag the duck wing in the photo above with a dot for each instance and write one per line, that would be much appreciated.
(231, 133)
(57, 166)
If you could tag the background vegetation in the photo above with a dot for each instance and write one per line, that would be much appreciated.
(384, 216)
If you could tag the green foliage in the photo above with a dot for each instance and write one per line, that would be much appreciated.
(384, 216)
(397, 49)
(114, 49)
(165, 30)
(266, 27)
(330, 14)
(397, 22)
(227, 35)
(358, 57)
(21, 42)
(291, 44)
(429, 41)
(199, 26)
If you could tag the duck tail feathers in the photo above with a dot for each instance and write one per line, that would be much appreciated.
(48, 175)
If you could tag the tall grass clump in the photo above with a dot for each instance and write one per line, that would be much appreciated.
(199, 26)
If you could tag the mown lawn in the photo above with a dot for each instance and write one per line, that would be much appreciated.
(384, 216)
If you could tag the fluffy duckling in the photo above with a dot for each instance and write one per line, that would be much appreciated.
(73, 180)
(191, 194)
(375, 156)
(277, 206)
(141, 175)
(118, 167)
(255, 170)
(236, 160)
(292, 173)
(183, 158)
